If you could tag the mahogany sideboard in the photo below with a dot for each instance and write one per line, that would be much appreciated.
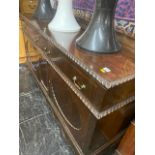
(92, 95)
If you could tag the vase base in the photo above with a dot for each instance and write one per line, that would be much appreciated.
(98, 51)
(53, 28)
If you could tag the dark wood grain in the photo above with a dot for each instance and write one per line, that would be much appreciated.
(121, 64)
(127, 144)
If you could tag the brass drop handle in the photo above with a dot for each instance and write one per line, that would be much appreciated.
(46, 50)
(83, 86)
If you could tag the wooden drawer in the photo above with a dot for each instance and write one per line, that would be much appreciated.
(82, 81)
(100, 97)
(112, 124)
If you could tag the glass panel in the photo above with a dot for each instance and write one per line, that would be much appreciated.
(39, 65)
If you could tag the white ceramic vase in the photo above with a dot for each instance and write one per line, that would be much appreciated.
(64, 39)
(64, 20)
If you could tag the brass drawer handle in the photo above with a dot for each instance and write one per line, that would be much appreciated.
(46, 50)
(83, 86)
(36, 39)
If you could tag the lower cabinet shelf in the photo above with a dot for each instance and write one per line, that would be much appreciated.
(89, 135)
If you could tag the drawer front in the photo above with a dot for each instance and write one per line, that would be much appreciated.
(80, 79)
(100, 97)
(117, 121)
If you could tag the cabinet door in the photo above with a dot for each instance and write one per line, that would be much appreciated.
(76, 116)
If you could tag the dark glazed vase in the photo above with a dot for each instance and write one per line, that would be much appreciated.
(44, 11)
(99, 37)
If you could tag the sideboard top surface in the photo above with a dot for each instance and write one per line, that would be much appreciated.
(108, 69)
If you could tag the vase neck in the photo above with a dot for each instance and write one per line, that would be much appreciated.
(44, 2)
(65, 4)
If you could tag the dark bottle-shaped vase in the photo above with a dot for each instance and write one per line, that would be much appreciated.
(99, 37)
(44, 11)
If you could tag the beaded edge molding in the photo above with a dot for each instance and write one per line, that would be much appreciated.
(86, 102)
(101, 80)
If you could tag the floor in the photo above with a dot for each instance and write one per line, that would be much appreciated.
(39, 131)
